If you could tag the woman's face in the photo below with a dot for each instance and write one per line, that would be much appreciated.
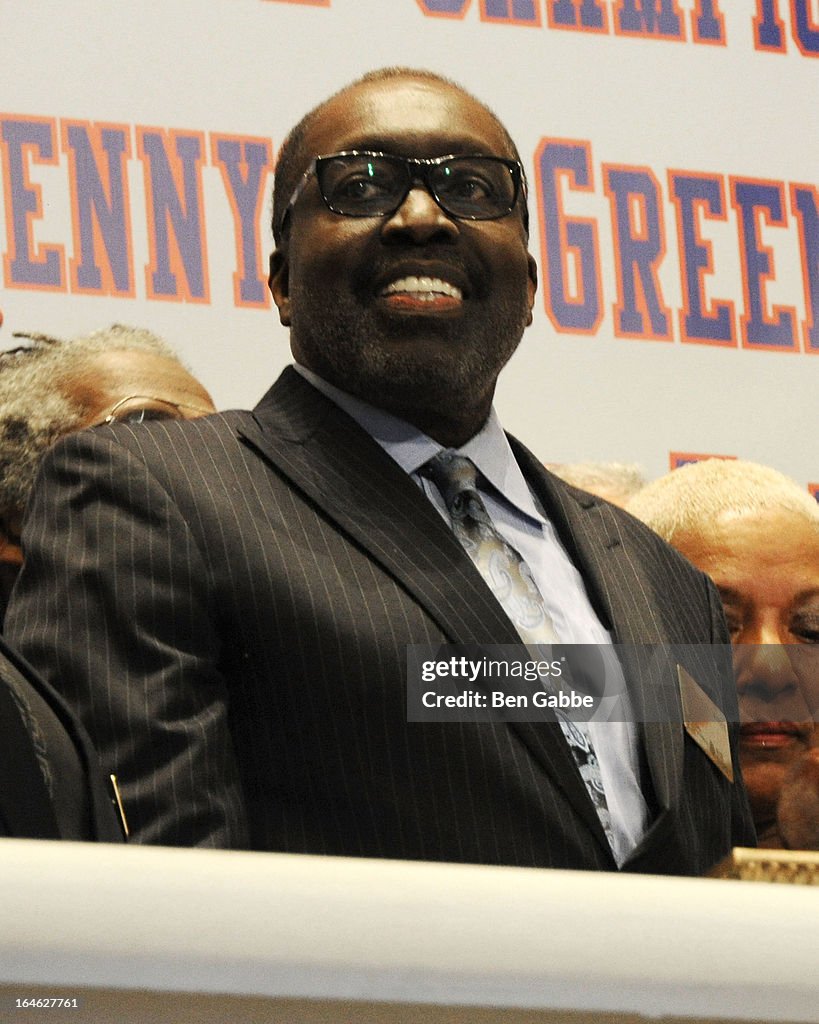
(766, 568)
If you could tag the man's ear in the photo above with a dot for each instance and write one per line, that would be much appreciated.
(278, 282)
(532, 285)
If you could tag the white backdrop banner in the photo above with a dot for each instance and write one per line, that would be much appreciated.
(671, 146)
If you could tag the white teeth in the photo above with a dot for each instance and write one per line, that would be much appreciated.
(424, 288)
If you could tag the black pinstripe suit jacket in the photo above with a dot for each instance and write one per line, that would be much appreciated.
(51, 786)
(230, 601)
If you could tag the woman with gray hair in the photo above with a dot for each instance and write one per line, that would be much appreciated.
(50, 388)
(755, 532)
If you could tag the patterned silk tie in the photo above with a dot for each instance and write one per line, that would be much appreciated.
(512, 583)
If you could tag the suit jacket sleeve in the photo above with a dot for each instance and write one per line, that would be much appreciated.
(113, 607)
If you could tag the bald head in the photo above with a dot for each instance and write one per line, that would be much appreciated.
(297, 151)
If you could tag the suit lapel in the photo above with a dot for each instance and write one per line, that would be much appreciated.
(623, 600)
(105, 824)
(25, 804)
(340, 468)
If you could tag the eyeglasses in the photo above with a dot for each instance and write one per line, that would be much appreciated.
(159, 409)
(364, 184)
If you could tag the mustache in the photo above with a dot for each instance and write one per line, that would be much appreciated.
(431, 260)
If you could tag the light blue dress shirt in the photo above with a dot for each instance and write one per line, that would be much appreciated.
(510, 503)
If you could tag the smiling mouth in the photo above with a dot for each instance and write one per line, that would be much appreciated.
(771, 734)
(423, 290)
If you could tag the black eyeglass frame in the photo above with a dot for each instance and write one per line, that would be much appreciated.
(423, 166)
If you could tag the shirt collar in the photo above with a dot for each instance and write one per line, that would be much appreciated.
(489, 449)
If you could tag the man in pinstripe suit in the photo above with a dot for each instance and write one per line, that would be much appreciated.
(232, 598)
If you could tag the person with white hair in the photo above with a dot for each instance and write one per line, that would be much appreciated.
(755, 532)
(50, 388)
(51, 785)
(616, 482)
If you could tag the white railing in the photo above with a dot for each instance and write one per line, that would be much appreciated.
(295, 927)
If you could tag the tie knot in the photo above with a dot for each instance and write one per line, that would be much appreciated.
(452, 474)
